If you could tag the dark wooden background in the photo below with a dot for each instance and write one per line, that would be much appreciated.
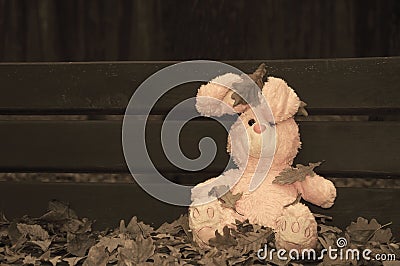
(95, 30)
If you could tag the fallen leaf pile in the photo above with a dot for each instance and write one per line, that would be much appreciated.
(60, 237)
(361, 234)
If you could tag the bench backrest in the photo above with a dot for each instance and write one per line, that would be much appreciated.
(354, 106)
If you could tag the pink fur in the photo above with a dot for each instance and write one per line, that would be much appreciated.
(282, 100)
(210, 97)
(317, 190)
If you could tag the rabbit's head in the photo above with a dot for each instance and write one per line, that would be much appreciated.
(265, 128)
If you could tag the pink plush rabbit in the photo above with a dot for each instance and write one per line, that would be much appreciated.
(270, 204)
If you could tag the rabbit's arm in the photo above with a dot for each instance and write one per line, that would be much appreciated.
(317, 190)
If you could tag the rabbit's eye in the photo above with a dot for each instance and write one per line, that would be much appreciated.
(251, 122)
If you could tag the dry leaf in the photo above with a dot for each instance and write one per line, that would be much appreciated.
(14, 258)
(3, 219)
(326, 228)
(382, 235)
(175, 252)
(299, 173)
(169, 245)
(77, 226)
(35, 232)
(14, 235)
(174, 227)
(58, 211)
(29, 260)
(77, 245)
(362, 231)
(122, 227)
(209, 258)
(97, 256)
(110, 243)
(218, 191)
(391, 263)
(55, 260)
(46, 257)
(134, 227)
(134, 252)
(328, 239)
(43, 244)
(248, 90)
(144, 247)
(162, 260)
(253, 241)
(224, 240)
(72, 261)
(228, 200)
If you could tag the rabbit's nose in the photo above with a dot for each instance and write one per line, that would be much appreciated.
(259, 128)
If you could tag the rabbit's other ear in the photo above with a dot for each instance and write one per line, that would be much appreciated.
(212, 98)
(282, 99)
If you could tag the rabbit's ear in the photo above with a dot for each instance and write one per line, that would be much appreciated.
(213, 99)
(282, 99)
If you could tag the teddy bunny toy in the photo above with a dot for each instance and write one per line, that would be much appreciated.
(271, 204)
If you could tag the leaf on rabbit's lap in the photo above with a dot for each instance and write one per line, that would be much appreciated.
(299, 173)
(229, 200)
(224, 240)
(225, 196)
(244, 227)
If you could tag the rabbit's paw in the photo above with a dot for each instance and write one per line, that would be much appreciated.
(296, 228)
(205, 219)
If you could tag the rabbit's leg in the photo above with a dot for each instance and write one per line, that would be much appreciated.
(296, 228)
(205, 219)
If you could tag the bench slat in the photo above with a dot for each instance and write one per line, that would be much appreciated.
(349, 148)
(334, 86)
(108, 203)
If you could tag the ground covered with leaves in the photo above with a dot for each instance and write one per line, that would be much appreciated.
(60, 237)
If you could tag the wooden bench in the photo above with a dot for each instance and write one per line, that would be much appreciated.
(367, 147)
